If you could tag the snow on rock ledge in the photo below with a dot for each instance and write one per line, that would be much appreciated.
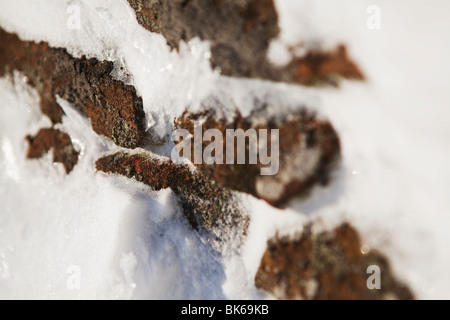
(133, 69)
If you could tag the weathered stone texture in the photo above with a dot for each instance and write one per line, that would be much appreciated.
(326, 265)
(57, 141)
(309, 150)
(114, 108)
(240, 33)
(206, 204)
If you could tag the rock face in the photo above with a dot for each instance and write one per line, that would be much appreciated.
(308, 151)
(240, 33)
(327, 265)
(114, 108)
(56, 140)
(321, 68)
(206, 205)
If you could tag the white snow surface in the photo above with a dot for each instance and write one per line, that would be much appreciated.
(125, 241)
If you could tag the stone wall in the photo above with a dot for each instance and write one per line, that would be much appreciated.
(310, 265)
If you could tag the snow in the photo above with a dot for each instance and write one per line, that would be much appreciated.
(126, 240)
(394, 131)
(109, 31)
(129, 242)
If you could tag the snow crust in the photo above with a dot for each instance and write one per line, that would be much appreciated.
(129, 242)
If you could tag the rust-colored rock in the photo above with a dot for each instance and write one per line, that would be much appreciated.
(57, 141)
(147, 13)
(113, 107)
(206, 204)
(318, 67)
(240, 33)
(327, 265)
(309, 149)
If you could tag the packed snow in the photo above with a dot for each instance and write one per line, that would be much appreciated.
(89, 235)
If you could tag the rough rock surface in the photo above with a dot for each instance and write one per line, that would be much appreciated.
(308, 151)
(114, 108)
(206, 205)
(240, 33)
(318, 68)
(57, 141)
(327, 265)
